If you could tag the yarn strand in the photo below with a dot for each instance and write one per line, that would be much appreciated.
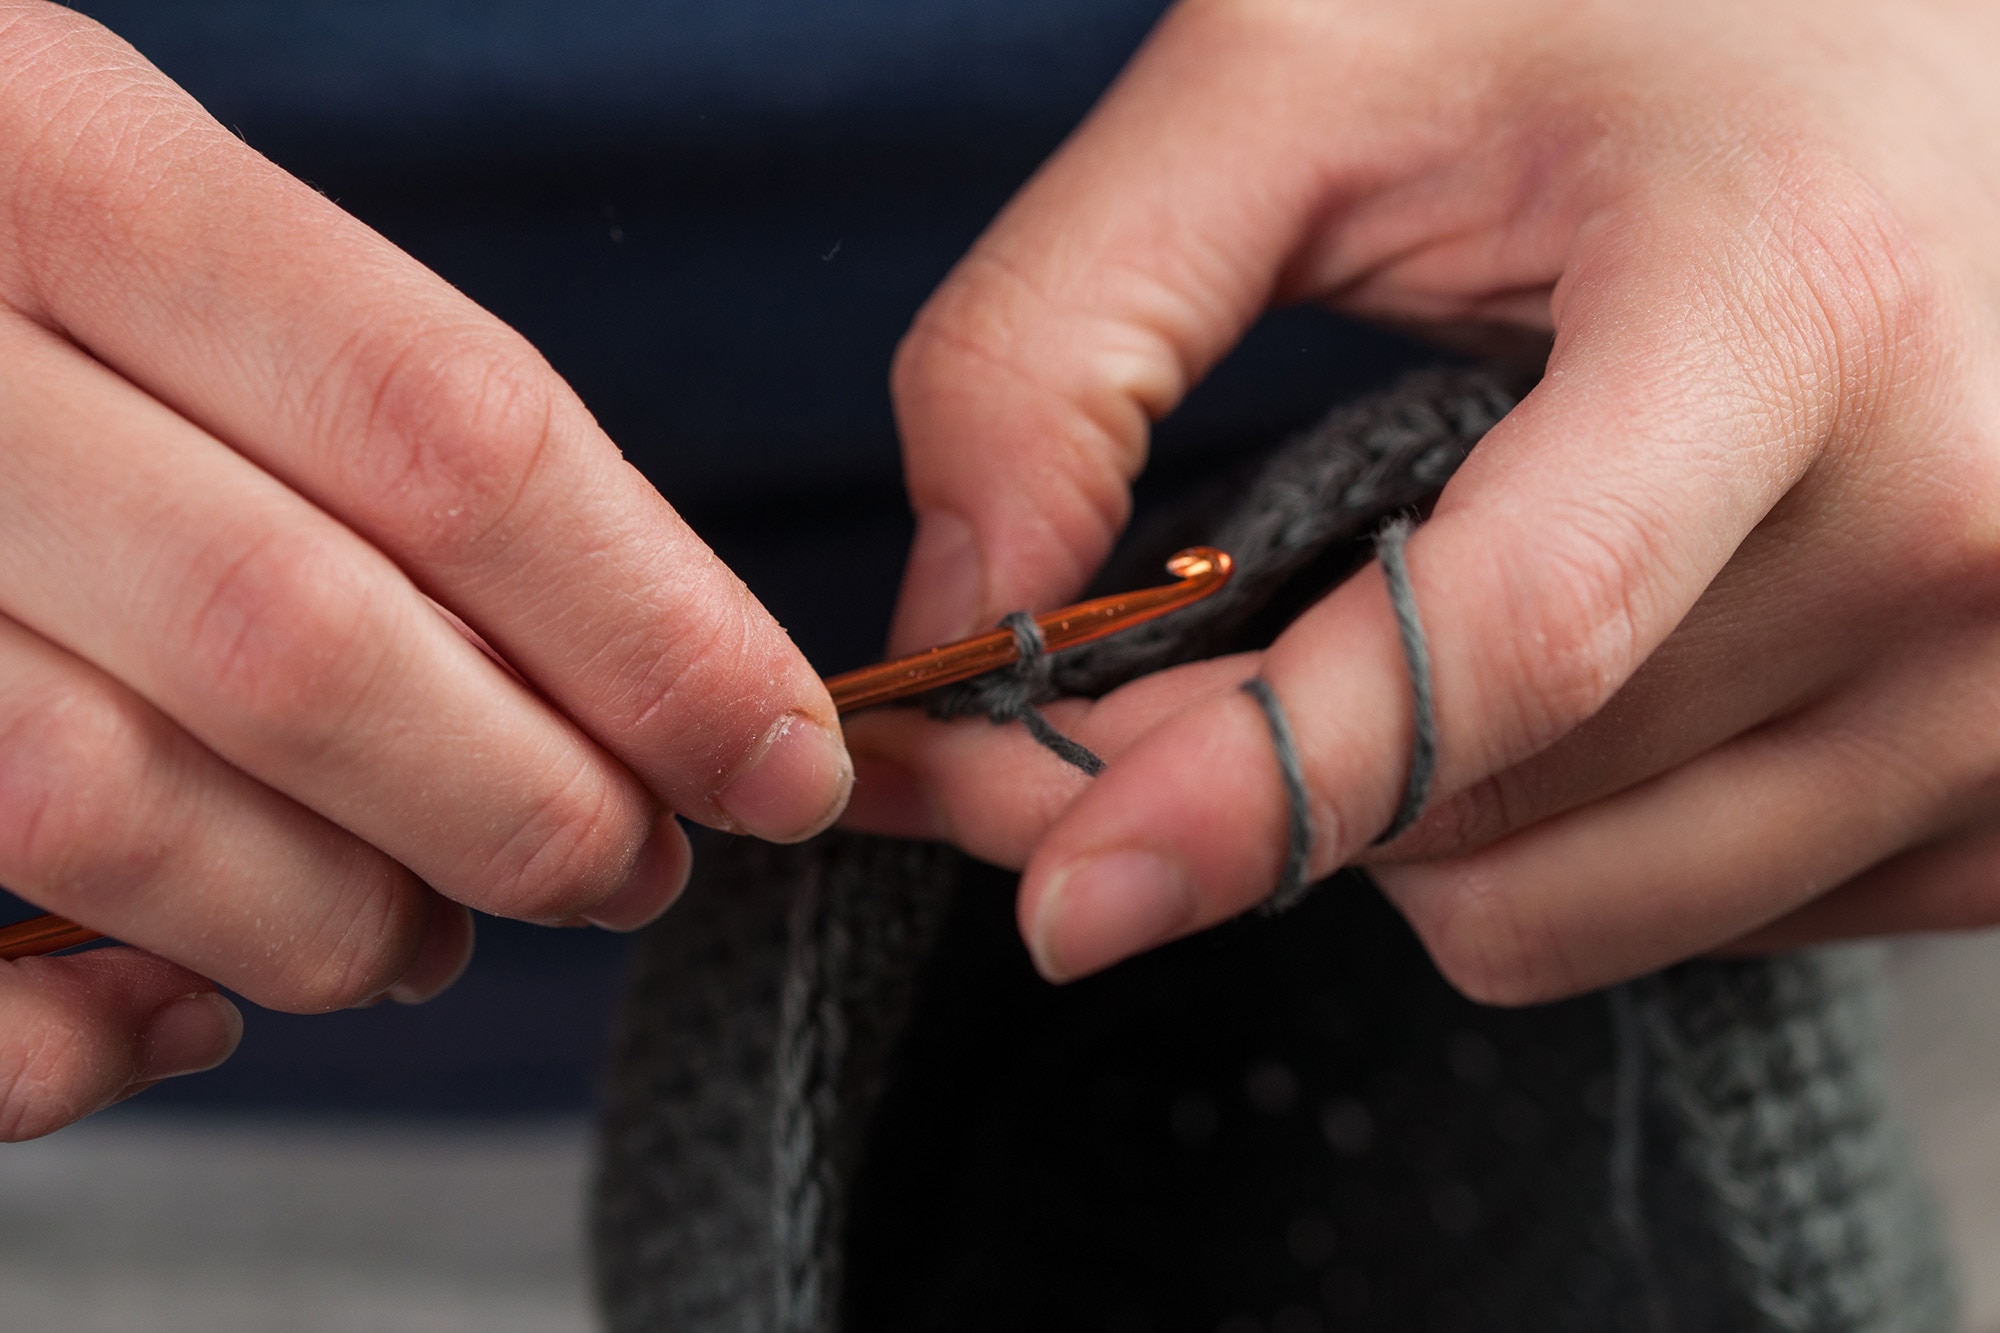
(1009, 695)
(1389, 546)
(1298, 843)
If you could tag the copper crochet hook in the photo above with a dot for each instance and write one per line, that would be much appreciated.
(1201, 570)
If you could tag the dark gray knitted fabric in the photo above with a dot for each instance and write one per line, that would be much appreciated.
(752, 1035)
(841, 1100)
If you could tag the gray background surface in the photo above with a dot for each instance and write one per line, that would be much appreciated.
(152, 1223)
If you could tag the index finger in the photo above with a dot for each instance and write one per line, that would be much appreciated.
(1571, 543)
(256, 308)
(1205, 186)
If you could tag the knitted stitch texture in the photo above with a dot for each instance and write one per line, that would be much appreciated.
(840, 1099)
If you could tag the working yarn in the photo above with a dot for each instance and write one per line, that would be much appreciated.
(1417, 656)
(1298, 809)
(1010, 695)
(841, 1099)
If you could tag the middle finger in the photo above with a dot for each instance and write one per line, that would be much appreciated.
(292, 648)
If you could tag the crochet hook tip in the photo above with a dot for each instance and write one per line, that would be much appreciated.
(1200, 562)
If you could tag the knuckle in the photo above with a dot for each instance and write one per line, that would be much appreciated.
(970, 331)
(282, 638)
(366, 939)
(50, 1075)
(570, 853)
(699, 704)
(1863, 290)
(714, 656)
(994, 328)
(1954, 550)
(1845, 308)
(982, 351)
(1459, 824)
(442, 434)
(85, 125)
(1484, 944)
(1584, 612)
(74, 769)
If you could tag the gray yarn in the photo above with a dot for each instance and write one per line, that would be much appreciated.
(1379, 457)
(1004, 696)
(1749, 1175)
(1417, 657)
(1298, 822)
(1010, 694)
(1333, 484)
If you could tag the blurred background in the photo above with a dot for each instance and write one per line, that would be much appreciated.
(715, 217)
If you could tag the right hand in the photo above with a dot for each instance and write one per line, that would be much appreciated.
(248, 449)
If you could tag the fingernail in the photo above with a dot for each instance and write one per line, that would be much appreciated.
(1102, 909)
(889, 800)
(188, 1035)
(794, 786)
(944, 586)
(657, 878)
(442, 958)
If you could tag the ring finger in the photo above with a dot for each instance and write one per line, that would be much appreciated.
(112, 815)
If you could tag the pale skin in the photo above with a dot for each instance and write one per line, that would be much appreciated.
(1715, 614)
(327, 612)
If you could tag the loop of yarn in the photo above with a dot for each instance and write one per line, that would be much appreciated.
(1009, 695)
(1389, 546)
(1298, 843)
(1423, 747)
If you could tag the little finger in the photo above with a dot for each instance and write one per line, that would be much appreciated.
(1949, 884)
(1706, 854)
(76, 1034)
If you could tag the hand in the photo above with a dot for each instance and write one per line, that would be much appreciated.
(1714, 614)
(260, 469)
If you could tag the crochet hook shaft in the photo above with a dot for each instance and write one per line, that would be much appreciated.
(1200, 570)
(43, 934)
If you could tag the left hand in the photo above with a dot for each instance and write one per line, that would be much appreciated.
(1713, 613)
